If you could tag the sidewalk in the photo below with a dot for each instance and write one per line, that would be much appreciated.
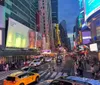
(4, 74)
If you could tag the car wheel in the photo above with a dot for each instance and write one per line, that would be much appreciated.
(22, 84)
(37, 79)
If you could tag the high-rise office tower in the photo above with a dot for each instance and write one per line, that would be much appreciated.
(46, 21)
(54, 4)
(23, 11)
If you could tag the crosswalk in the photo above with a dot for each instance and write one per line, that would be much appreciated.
(44, 75)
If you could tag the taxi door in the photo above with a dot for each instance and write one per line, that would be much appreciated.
(31, 77)
(24, 79)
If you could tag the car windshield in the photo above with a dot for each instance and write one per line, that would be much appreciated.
(35, 61)
(24, 69)
(60, 83)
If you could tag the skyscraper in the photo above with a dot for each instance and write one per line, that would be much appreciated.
(20, 15)
(54, 4)
(63, 33)
(46, 21)
(23, 11)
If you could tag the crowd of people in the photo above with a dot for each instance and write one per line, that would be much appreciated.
(12, 65)
(83, 64)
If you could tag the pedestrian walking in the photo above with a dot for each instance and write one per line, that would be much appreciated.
(80, 68)
(93, 71)
(49, 68)
(75, 68)
(53, 68)
(6, 67)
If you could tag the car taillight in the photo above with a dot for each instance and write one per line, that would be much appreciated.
(13, 82)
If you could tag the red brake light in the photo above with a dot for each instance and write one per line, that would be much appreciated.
(13, 82)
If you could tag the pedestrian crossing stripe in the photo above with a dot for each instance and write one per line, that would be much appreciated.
(44, 75)
(65, 74)
(47, 75)
(59, 75)
(41, 72)
(53, 75)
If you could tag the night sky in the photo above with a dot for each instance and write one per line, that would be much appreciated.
(68, 10)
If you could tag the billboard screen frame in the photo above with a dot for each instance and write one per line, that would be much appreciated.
(86, 37)
(18, 33)
(91, 12)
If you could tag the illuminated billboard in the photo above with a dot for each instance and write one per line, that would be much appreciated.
(81, 5)
(31, 39)
(2, 17)
(17, 35)
(38, 40)
(86, 36)
(91, 6)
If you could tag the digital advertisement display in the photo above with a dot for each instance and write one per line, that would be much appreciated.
(81, 5)
(98, 27)
(81, 19)
(93, 47)
(18, 35)
(39, 40)
(32, 39)
(2, 17)
(44, 42)
(0, 37)
(86, 36)
(91, 6)
(98, 31)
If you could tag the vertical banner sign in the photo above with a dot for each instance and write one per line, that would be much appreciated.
(36, 40)
(31, 39)
(0, 37)
(2, 17)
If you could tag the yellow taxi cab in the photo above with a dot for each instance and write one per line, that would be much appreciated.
(20, 78)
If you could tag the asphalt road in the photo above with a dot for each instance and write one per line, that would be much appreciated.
(45, 73)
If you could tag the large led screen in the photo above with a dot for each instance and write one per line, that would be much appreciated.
(17, 35)
(38, 40)
(2, 17)
(81, 5)
(32, 39)
(91, 6)
(0, 37)
(93, 47)
(86, 36)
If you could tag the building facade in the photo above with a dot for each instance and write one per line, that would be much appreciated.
(63, 33)
(22, 11)
(54, 5)
(46, 22)
(69, 44)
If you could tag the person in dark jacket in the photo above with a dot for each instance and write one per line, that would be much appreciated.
(80, 68)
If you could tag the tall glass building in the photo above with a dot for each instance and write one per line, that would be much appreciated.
(54, 4)
(23, 11)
